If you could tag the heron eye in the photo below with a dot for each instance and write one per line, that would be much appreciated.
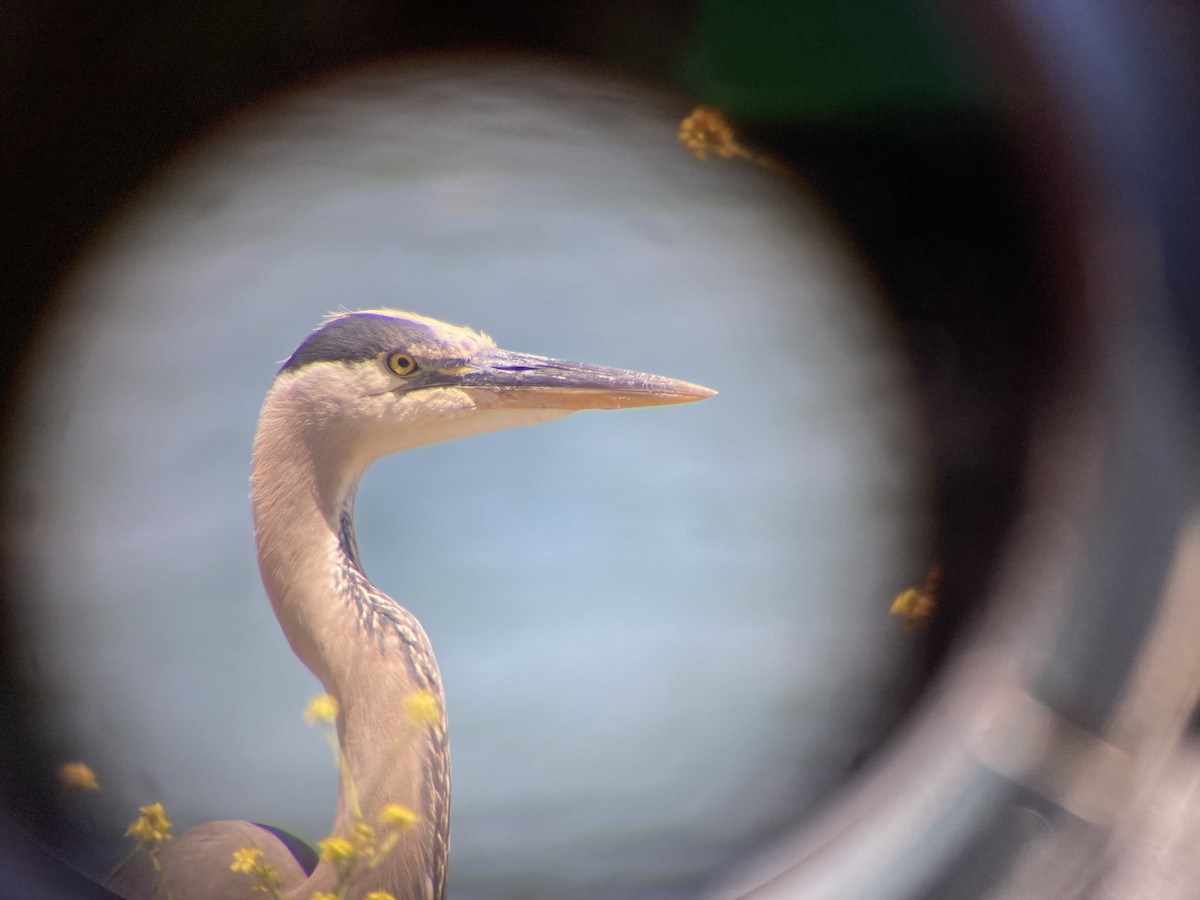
(401, 363)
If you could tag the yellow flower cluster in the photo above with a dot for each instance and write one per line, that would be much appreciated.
(398, 817)
(706, 131)
(422, 707)
(246, 860)
(373, 895)
(78, 776)
(321, 708)
(363, 846)
(916, 606)
(337, 850)
(362, 836)
(251, 861)
(152, 827)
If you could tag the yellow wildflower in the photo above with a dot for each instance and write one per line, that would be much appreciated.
(336, 849)
(340, 852)
(423, 707)
(399, 817)
(152, 827)
(706, 131)
(324, 895)
(251, 861)
(916, 606)
(321, 708)
(246, 859)
(379, 895)
(363, 838)
(79, 776)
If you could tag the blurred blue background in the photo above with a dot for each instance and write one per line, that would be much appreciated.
(664, 633)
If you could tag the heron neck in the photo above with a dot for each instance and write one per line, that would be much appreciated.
(368, 651)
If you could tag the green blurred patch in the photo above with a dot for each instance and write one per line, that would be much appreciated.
(843, 61)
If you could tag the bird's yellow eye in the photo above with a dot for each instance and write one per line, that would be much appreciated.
(401, 363)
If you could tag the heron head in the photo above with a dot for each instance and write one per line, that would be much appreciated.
(385, 380)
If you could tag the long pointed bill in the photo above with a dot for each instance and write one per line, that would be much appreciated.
(538, 382)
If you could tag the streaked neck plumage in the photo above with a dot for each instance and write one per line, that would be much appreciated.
(368, 651)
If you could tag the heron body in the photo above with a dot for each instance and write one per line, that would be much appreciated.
(362, 386)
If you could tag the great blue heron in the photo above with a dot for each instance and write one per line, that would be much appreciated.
(363, 385)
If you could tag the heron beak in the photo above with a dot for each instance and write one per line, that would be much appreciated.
(520, 379)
